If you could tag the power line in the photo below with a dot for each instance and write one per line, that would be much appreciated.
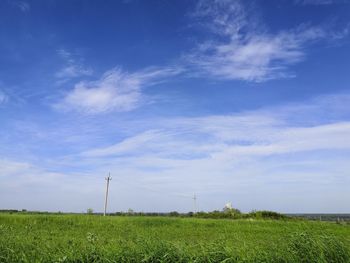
(193, 197)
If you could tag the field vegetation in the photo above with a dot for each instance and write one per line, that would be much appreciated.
(94, 238)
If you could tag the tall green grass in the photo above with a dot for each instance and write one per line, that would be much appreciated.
(79, 238)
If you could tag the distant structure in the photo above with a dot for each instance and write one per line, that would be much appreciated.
(194, 203)
(107, 186)
(228, 206)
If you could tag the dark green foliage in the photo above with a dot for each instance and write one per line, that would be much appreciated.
(266, 215)
(174, 213)
(232, 213)
(91, 238)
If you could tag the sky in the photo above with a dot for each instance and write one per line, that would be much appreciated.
(234, 101)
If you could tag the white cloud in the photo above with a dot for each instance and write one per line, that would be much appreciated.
(225, 17)
(3, 97)
(126, 146)
(246, 52)
(260, 159)
(115, 91)
(72, 67)
(319, 2)
(192, 155)
(45, 190)
(264, 132)
(73, 70)
(11, 167)
(253, 153)
(229, 138)
(22, 5)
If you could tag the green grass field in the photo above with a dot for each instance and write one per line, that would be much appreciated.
(83, 238)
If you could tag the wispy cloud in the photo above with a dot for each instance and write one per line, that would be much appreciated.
(267, 131)
(72, 67)
(320, 2)
(246, 51)
(47, 186)
(3, 97)
(22, 5)
(128, 145)
(227, 137)
(264, 151)
(73, 70)
(211, 154)
(116, 90)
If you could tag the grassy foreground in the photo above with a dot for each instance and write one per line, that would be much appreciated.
(83, 238)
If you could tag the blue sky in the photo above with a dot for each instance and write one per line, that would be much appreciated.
(236, 101)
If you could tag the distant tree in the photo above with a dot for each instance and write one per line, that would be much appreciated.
(230, 212)
(174, 213)
(89, 211)
(190, 214)
(266, 215)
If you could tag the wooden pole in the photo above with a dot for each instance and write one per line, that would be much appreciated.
(195, 203)
(107, 186)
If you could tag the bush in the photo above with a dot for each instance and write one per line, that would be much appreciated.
(174, 213)
(266, 215)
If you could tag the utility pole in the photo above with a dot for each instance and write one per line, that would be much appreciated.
(107, 179)
(195, 203)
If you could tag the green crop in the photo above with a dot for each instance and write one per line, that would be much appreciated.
(90, 238)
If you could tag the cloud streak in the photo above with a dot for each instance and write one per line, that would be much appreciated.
(72, 68)
(116, 90)
(243, 157)
(245, 51)
(22, 5)
(231, 138)
(320, 2)
(3, 98)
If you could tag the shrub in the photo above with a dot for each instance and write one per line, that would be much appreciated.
(174, 213)
(266, 215)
